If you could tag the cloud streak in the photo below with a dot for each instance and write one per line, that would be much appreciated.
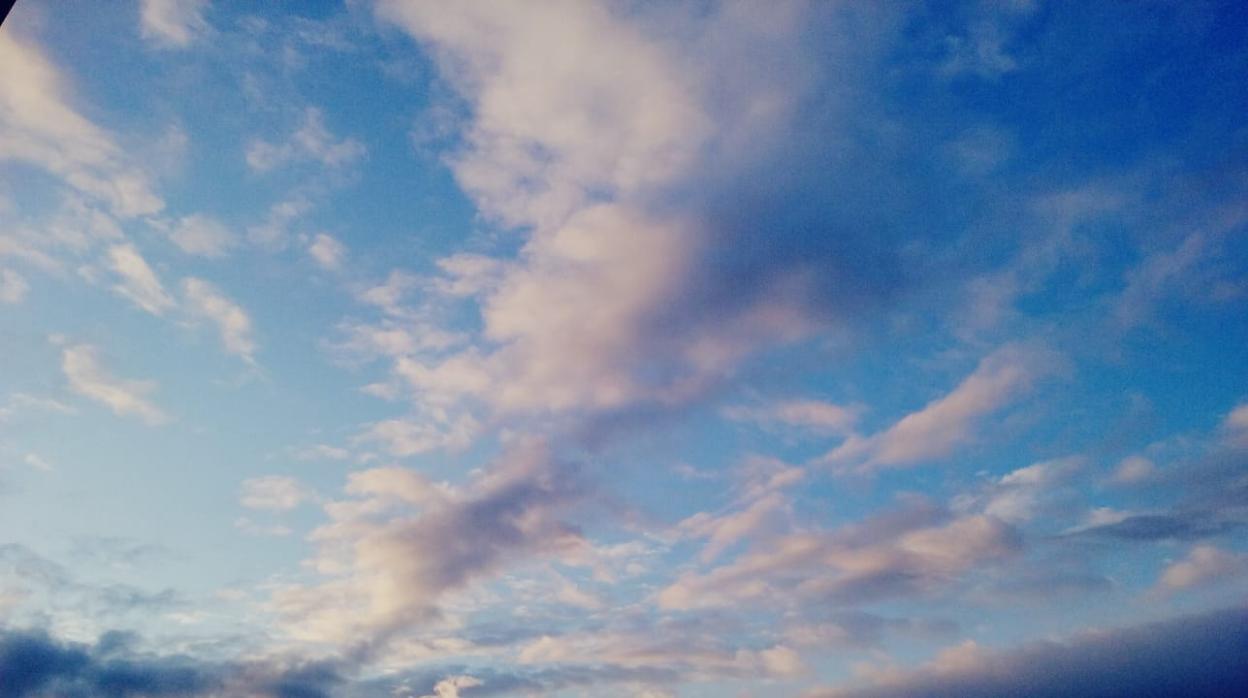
(87, 377)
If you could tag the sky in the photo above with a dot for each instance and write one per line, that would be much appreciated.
(616, 348)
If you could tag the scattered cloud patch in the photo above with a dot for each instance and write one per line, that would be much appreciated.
(327, 252)
(274, 493)
(89, 378)
(172, 23)
(311, 142)
(202, 236)
(139, 283)
(203, 300)
(13, 287)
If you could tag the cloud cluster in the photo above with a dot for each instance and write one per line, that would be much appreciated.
(621, 298)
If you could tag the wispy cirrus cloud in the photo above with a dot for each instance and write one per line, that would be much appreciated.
(945, 424)
(87, 377)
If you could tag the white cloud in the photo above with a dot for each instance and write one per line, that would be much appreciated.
(124, 397)
(414, 435)
(1204, 564)
(946, 423)
(206, 301)
(172, 23)
(13, 287)
(449, 687)
(138, 282)
(1022, 494)
(468, 274)
(311, 142)
(274, 493)
(327, 252)
(252, 528)
(760, 503)
(1235, 426)
(40, 127)
(1132, 470)
(567, 147)
(37, 462)
(203, 236)
(556, 119)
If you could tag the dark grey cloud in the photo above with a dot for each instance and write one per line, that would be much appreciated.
(35, 665)
(1190, 657)
(32, 664)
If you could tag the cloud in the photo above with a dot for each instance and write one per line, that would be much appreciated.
(1192, 656)
(1235, 426)
(1133, 470)
(390, 553)
(814, 415)
(1179, 524)
(1204, 564)
(203, 300)
(684, 654)
(948, 422)
(31, 664)
(327, 252)
(138, 282)
(451, 686)
(421, 434)
(172, 23)
(13, 287)
(124, 397)
(311, 142)
(274, 493)
(202, 236)
(38, 126)
(760, 503)
(1022, 494)
(35, 665)
(37, 462)
(913, 550)
(21, 402)
(621, 299)
(543, 140)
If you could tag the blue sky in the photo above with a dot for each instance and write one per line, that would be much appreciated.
(581, 348)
